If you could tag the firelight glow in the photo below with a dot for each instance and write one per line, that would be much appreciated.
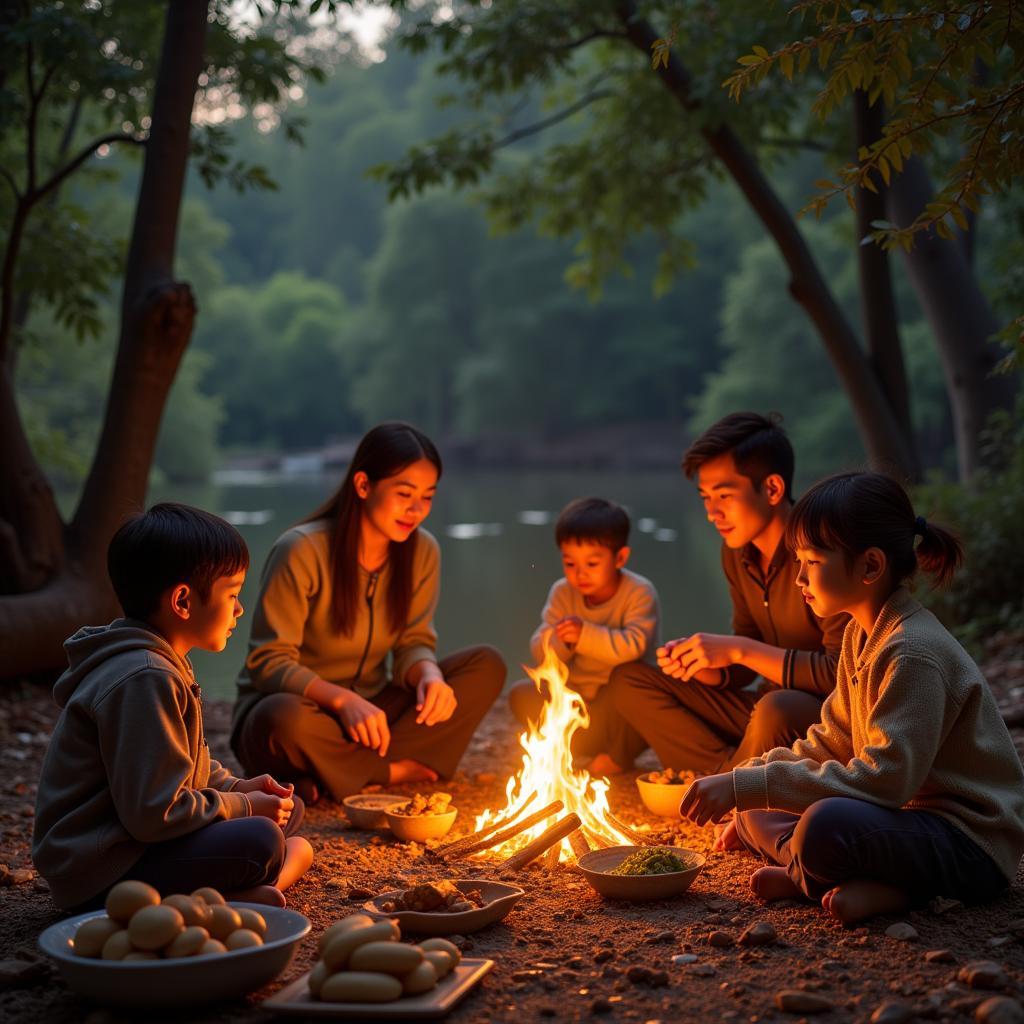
(547, 769)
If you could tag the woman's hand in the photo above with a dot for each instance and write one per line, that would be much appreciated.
(364, 722)
(708, 799)
(685, 658)
(435, 702)
(263, 784)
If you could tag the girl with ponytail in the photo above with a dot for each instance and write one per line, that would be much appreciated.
(909, 787)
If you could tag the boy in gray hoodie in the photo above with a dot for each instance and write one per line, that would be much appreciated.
(128, 788)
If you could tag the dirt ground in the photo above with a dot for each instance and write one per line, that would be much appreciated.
(564, 953)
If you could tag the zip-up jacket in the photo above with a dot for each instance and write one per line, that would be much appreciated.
(769, 607)
(294, 639)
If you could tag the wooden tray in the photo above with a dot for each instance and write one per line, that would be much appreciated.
(295, 999)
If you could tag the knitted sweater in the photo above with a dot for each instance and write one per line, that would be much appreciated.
(294, 639)
(127, 764)
(623, 628)
(911, 723)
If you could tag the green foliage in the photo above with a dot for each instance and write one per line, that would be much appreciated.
(986, 594)
(950, 70)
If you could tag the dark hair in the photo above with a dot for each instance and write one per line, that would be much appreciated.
(593, 519)
(384, 451)
(851, 512)
(171, 544)
(758, 445)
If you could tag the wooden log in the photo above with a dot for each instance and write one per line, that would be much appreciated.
(596, 840)
(510, 833)
(453, 849)
(579, 844)
(555, 834)
(636, 838)
(552, 857)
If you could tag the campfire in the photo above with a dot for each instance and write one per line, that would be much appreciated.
(568, 809)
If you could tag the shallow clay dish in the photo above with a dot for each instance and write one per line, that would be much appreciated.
(597, 865)
(661, 798)
(418, 828)
(187, 981)
(366, 810)
(498, 898)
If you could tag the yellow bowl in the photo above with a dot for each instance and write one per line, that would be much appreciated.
(418, 828)
(661, 797)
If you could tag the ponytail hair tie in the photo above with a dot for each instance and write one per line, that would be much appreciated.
(920, 525)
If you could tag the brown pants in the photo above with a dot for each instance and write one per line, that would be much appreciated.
(608, 732)
(703, 729)
(291, 737)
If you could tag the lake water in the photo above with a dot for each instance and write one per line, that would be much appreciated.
(498, 552)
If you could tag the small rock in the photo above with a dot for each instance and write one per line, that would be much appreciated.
(939, 956)
(610, 971)
(603, 955)
(760, 933)
(337, 883)
(601, 1005)
(358, 892)
(792, 1000)
(892, 1013)
(1000, 940)
(640, 975)
(458, 940)
(942, 905)
(982, 974)
(575, 963)
(999, 1010)
(681, 959)
(902, 931)
(18, 973)
(665, 936)
(22, 875)
(702, 970)
(720, 939)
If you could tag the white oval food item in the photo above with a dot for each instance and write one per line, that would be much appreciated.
(386, 957)
(360, 987)
(211, 946)
(154, 927)
(125, 898)
(252, 920)
(209, 895)
(243, 938)
(445, 946)
(118, 946)
(422, 978)
(141, 954)
(92, 934)
(188, 942)
(194, 911)
(223, 921)
(320, 973)
(444, 962)
(340, 948)
(342, 926)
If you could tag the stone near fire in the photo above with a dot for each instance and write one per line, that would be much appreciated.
(982, 974)
(999, 1010)
(902, 931)
(997, 941)
(702, 970)
(760, 933)
(721, 939)
(892, 1012)
(681, 959)
(939, 956)
(793, 1000)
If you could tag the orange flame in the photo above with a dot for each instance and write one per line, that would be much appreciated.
(547, 767)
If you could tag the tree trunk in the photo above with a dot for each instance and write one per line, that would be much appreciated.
(156, 324)
(887, 447)
(960, 317)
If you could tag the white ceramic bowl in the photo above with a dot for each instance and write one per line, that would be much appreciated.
(187, 981)
(597, 865)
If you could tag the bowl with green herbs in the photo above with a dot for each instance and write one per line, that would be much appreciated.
(641, 873)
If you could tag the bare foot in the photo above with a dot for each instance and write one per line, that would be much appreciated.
(268, 895)
(773, 883)
(603, 765)
(726, 838)
(858, 900)
(410, 771)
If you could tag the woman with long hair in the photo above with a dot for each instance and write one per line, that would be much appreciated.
(352, 586)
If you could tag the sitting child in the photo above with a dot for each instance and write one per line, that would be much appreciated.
(128, 787)
(601, 615)
(909, 787)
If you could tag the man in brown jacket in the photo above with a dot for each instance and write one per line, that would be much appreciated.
(698, 709)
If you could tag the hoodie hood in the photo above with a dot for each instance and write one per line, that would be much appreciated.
(92, 646)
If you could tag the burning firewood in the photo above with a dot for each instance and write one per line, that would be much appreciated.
(636, 838)
(510, 833)
(555, 834)
(454, 848)
(579, 844)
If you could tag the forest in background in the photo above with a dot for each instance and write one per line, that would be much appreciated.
(324, 309)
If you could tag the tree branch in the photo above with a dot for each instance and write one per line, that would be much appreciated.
(9, 178)
(534, 129)
(583, 40)
(103, 140)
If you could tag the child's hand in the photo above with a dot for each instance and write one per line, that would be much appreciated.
(684, 658)
(266, 805)
(568, 630)
(708, 799)
(264, 784)
(726, 837)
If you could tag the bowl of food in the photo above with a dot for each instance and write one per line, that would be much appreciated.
(366, 810)
(446, 907)
(142, 951)
(641, 872)
(662, 791)
(422, 817)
